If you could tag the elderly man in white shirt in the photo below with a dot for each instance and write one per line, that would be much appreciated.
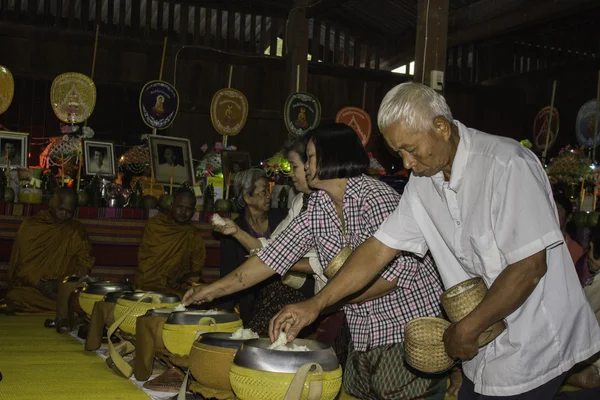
(483, 206)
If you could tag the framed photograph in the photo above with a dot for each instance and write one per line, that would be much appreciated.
(15, 146)
(171, 155)
(99, 158)
(233, 162)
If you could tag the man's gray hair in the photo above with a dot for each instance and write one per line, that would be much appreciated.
(244, 184)
(415, 105)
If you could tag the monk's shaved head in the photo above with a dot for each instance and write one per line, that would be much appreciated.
(63, 204)
(184, 206)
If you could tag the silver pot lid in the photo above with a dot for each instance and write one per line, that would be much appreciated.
(194, 317)
(162, 297)
(221, 339)
(255, 354)
(113, 296)
(102, 288)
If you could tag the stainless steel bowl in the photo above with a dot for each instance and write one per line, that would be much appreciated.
(255, 354)
(103, 288)
(221, 339)
(160, 312)
(193, 317)
(163, 297)
(113, 296)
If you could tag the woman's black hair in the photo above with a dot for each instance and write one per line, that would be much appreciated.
(297, 146)
(562, 200)
(339, 152)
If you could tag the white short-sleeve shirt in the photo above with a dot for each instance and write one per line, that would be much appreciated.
(496, 210)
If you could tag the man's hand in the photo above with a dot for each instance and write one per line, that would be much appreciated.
(460, 342)
(293, 318)
(230, 228)
(198, 295)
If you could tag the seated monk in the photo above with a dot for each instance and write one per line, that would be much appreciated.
(172, 252)
(49, 247)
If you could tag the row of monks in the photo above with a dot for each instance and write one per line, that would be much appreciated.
(52, 245)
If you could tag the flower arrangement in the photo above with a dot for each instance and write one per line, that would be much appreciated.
(66, 148)
(210, 164)
(570, 166)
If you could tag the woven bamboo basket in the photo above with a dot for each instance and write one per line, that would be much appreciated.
(251, 384)
(337, 262)
(209, 365)
(178, 339)
(87, 301)
(461, 299)
(122, 305)
(424, 345)
(294, 279)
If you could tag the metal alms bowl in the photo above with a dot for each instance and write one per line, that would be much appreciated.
(103, 288)
(221, 339)
(112, 297)
(194, 317)
(160, 312)
(255, 354)
(162, 297)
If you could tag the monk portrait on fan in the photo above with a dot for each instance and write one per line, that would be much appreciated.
(49, 247)
(172, 253)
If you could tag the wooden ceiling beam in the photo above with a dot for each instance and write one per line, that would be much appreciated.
(321, 8)
(253, 7)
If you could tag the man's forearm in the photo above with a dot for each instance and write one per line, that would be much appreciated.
(378, 289)
(248, 241)
(508, 292)
(359, 270)
(243, 277)
(302, 266)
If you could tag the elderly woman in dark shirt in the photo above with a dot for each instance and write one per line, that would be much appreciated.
(258, 304)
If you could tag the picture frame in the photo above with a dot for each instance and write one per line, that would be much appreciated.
(233, 162)
(165, 150)
(99, 158)
(18, 149)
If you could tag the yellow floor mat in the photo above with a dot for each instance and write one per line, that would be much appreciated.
(38, 363)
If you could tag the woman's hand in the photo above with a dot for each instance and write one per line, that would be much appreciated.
(198, 295)
(230, 228)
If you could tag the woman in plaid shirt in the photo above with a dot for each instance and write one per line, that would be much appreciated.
(345, 210)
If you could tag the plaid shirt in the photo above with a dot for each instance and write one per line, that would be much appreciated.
(367, 203)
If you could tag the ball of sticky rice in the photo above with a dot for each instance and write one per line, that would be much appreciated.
(281, 344)
(218, 221)
(244, 334)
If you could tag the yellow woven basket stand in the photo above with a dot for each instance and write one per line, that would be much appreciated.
(250, 384)
(178, 339)
(87, 301)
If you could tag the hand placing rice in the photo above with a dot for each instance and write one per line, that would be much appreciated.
(218, 221)
(244, 334)
(281, 344)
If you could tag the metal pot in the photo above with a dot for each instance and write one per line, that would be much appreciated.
(160, 312)
(103, 288)
(221, 339)
(255, 354)
(194, 317)
(113, 296)
(162, 297)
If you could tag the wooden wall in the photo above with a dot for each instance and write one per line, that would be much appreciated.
(123, 66)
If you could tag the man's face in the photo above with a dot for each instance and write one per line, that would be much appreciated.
(183, 209)
(424, 152)
(62, 209)
(11, 149)
(98, 157)
(170, 157)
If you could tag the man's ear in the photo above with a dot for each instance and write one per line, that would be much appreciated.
(442, 127)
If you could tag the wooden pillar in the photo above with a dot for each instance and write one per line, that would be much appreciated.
(297, 47)
(432, 34)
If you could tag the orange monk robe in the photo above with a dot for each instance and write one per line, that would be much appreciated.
(168, 252)
(45, 250)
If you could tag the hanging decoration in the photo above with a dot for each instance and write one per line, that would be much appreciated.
(277, 164)
(571, 166)
(159, 103)
(73, 97)
(135, 160)
(357, 119)
(302, 112)
(586, 122)
(7, 89)
(229, 111)
(543, 132)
